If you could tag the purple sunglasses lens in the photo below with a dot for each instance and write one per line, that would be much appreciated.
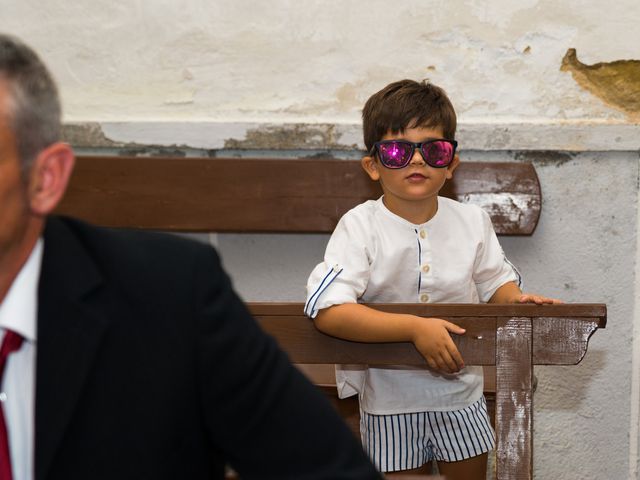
(394, 154)
(438, 154)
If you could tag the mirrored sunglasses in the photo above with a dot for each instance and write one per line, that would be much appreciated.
(437, 153)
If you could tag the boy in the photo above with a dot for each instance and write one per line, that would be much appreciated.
(413, 246)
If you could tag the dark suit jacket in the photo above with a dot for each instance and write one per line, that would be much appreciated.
(150, 367)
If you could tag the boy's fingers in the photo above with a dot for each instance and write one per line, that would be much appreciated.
(432, 364)
(453, 328)
(447, 363)
(455, 356)
(537, 299)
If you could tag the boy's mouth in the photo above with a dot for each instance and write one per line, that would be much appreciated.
(416, 176)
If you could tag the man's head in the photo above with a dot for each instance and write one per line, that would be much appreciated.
(32, 104)
(407, 104)
(34, 165)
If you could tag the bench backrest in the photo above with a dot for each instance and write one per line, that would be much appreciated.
(271, 195)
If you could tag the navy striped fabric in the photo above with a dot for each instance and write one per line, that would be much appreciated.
(410, 440)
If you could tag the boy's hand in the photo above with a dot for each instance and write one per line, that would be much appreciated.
(537, 299)
(434, 343)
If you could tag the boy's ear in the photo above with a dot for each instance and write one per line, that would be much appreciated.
(49, 177)
(454, 164)
(370, 166)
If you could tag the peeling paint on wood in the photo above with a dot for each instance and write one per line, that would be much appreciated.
(514, 398)
(616, 83)
(575, 333)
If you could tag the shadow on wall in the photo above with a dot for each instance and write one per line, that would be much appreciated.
(616, 83)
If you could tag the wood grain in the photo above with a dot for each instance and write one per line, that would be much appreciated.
(514, 399)
(271, 195)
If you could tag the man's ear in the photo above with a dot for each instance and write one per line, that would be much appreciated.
(452, 166)
(370, 166)
(49, 177)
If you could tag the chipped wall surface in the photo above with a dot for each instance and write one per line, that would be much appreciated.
(287, 77)
(292, 62)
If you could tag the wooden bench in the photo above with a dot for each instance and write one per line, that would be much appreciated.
(310, 195)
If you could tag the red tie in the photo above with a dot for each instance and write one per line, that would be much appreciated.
(12, 342)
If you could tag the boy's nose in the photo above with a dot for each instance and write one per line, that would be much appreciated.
(417, 158)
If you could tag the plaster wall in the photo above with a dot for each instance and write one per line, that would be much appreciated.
(213, 78)
(302, 61)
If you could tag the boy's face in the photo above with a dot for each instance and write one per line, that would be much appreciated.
(415, 183)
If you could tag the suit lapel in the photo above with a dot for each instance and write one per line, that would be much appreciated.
(69, 333)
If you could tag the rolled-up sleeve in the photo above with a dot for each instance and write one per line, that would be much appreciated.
(343, 275)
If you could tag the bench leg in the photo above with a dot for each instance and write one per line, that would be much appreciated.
(514, 399)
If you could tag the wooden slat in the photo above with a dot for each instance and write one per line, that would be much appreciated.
(597, 311)
(305, 344)
(271, 195)
(560, 333)
(575, 333)
(514, 399)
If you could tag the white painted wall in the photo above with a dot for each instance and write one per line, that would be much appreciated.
(199, 74)
(297, 60)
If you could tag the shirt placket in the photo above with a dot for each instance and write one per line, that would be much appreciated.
(425, 274)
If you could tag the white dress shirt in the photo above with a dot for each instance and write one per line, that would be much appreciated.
(18, 312)
(375, 256)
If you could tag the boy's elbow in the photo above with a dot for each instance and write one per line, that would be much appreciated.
(320, 320)
(325, 321)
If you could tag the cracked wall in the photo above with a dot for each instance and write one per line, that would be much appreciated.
(317, 62)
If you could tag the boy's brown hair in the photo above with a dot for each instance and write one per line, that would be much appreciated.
(407, 104)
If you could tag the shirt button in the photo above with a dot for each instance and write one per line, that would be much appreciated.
(423, 234)
(425, 268)
(424, 298)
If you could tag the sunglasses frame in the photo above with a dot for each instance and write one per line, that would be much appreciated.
(414, 145)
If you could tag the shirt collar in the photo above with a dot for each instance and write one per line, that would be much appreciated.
(18, 311)
(383, 208)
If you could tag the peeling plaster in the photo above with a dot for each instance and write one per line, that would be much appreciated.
(616, 83)
(321, 136)
(210, 136)
(89, 135)
(545, 158)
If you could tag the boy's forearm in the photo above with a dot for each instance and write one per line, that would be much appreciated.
(510, 293)
(359, 323)
(507, 293)
(431, 336)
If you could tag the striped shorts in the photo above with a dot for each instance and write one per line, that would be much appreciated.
(410, 440)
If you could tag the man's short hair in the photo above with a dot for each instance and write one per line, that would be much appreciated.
(407, 104)
(34, 106)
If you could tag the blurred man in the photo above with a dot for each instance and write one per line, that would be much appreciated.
(128, 354)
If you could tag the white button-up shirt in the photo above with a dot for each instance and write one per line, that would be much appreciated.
(375, 256)
(18, 312)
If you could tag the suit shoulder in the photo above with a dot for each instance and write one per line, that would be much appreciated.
(136, 247)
